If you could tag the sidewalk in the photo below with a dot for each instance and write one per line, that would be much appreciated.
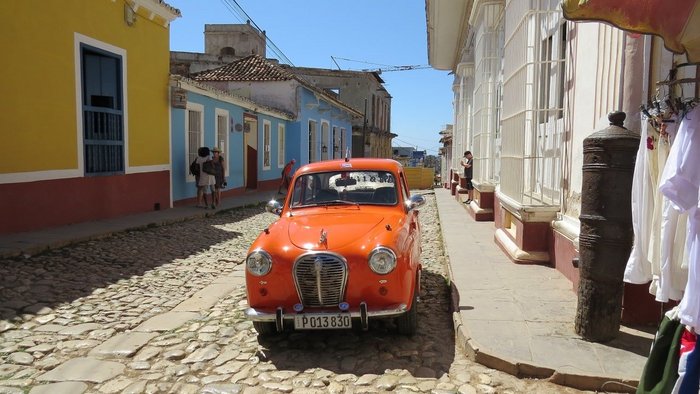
(520, 318)
(35, 242)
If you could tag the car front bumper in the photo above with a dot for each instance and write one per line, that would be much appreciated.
(362, 313)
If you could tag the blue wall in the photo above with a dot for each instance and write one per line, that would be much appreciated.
(335, 116)
(184, 188)
(296, 139)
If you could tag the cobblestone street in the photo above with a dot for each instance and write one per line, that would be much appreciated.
(161, 311)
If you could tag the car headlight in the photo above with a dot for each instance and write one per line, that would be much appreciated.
(258, 262)
(382, 260)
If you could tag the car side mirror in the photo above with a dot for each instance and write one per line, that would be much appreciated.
(273, 206)
(415, 201)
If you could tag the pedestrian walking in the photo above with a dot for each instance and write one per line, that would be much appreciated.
(286, 176)
(219, 176)
(205, 180)
(468, 163)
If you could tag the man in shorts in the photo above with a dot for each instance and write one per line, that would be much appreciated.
(468, 163)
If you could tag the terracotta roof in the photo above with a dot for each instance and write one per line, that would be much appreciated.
(251, 68)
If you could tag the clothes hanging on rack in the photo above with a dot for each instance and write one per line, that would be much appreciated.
(680, 184)
(669, 274)
(638, 268)
(658, 255)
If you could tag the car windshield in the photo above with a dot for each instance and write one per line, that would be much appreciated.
(344, 187)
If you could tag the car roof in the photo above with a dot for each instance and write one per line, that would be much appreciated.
(350, 165)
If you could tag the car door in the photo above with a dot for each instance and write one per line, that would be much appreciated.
(414, 234)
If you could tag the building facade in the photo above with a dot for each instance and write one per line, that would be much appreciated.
(252, 138)
(323, 124)
(365, 92)
(87, 125)
(529, 87)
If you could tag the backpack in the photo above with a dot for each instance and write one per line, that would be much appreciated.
(194, 168)
(208, 167)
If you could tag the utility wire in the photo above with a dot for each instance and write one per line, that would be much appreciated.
(242, 16)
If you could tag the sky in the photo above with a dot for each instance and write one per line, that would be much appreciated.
(308, 32)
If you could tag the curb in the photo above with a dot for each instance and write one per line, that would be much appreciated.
(520, 369)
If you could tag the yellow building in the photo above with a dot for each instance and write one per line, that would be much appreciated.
(85, 110)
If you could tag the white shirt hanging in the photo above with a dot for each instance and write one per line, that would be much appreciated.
(681, 184)
(638, 269)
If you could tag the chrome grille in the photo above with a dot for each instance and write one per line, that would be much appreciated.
(320, 279)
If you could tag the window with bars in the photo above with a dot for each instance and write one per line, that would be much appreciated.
(533, 102)
(103, 117)
(267, 138)
(280, 145)
(342, 142)
(222, 127)
(336, 143)
(325, 131)
(312, 141)
(194, 122)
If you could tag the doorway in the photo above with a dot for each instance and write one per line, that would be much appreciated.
(250, 151)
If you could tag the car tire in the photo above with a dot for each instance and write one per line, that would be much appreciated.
(407, 324)
(264, 328)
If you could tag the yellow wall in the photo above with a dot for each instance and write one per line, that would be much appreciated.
(419, 177)
(38, 130)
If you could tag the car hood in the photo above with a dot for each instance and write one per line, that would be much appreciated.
(341, 229)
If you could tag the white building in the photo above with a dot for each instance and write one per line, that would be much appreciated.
(529, 87)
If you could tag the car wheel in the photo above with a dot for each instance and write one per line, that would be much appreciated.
(265, 328)
(407, 323)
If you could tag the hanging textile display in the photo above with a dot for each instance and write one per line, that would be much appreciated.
(658, 255)
(666, 221)
(638, 269)
(680, 184)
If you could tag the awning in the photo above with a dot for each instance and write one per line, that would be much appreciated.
(677, 21)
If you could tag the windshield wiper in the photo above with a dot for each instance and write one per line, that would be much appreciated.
(333, 202)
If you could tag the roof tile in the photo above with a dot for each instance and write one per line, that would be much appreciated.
(251, 68)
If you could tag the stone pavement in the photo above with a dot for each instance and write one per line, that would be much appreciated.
(520, 318)
(158, 310)
(29, 243)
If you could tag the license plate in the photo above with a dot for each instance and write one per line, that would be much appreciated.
(322, 321)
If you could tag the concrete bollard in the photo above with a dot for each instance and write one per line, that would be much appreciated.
(606, 228)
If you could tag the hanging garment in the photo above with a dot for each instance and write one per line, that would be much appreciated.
(661, 368)
(681, 182)
(661, 151)
(674, 268)
(671, 272)
(638, 268)
(688, 364)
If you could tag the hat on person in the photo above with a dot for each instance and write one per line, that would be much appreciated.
(294, 161)
(216, 149)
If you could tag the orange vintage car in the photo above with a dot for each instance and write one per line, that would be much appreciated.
(345, 249)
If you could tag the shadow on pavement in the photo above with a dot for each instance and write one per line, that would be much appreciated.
(427, 354)
(28, 285)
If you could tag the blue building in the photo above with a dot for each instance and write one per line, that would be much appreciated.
(252, 136)
(322, 124)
